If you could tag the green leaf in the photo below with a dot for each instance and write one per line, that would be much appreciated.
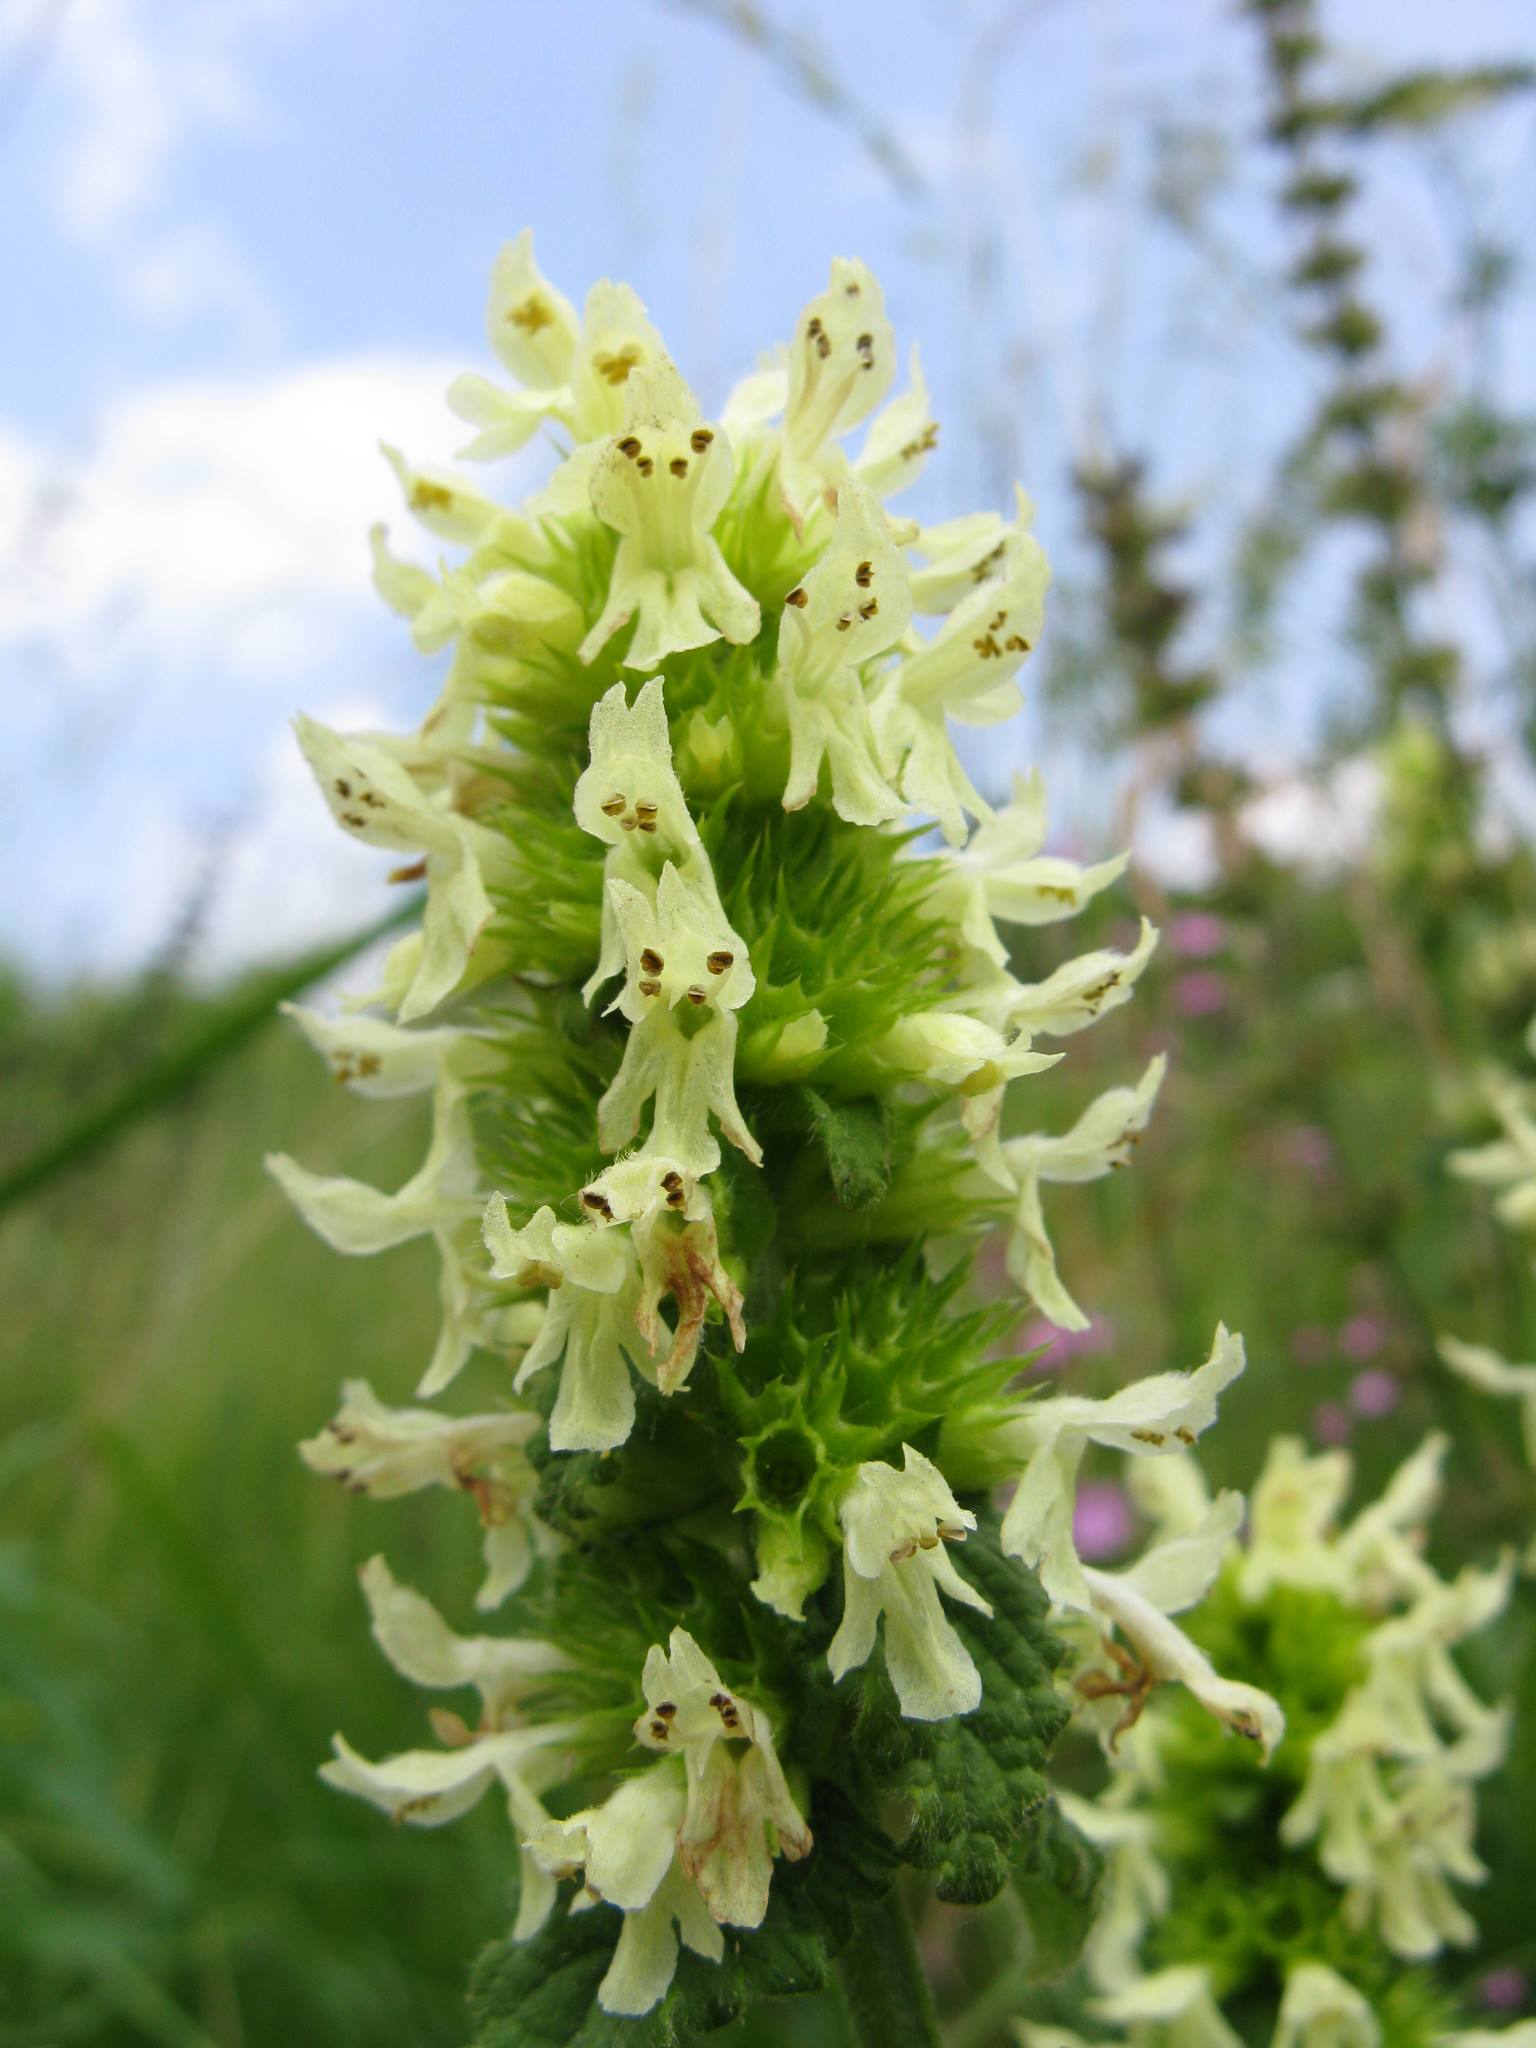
(1058, 1886)
(975, 1786)
(855, 1136)
(543, 1993)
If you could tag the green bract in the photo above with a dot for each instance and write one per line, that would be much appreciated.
(719, 1053)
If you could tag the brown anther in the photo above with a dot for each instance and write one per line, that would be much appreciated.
(864, 575)
(646, 824)
(342, 788)
(798, 599)
(927, 1542)
(697, 995)
(427, 497)
(951, 1532)
(652, 961)
(869, 607)
(355, 819)
(667, 1709)
(373, 800)
(904, 1550)
(813, 327)
(612, 805)
(369, 1064)
(677, 1198)
(615, 369)
(531, 314)
(645, 465)
(1155, 1437)
(628, 823)
(1185, 1436)
(717, 1699)
(659, 1731)
(717, 963)
(414, 871)
(987, 647)
(866, 348)
(678, 465)
(844, 622)
(700, 439)
(646, 807)
(672, 1179)
(630, 446)
(650, 988)
(597, 1202)
(1016, 644)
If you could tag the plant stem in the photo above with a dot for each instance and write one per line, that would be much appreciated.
(883, 1983)
(162, 1080)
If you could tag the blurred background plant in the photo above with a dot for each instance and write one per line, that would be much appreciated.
(1241, 295)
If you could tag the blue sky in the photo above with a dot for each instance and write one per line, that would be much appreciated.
(241, 241)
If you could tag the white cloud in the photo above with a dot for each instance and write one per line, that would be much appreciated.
(213, 509)
(165, 607)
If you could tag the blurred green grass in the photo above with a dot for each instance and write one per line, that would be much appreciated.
(180, 1626)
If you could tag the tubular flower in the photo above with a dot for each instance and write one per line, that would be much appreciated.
(590, 1326)
(686, 975)
(377, 801)
(1099, 1142)
(1137, 1604)
(663, 805)
(841, 362)
(895, 1564)
(1508, 1163)
(1321, 2009)
(661, 484)
(1150, 1418)
(628, 1850)
(739, 1811)
(852, 608)
(387, 1452)
(431, 1787)
(965, 672)
(442, 1200)
(1484, 1369)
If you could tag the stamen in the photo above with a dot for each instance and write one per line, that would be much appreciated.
(597, 1202)
(646, 807)
(667, 1709)
(652, 961)
(650, 988)
(867, 611)
(678, 465)
(700, 439)
(645, 465)
(659, 1731)
(612, 805)
(866, 348)
(717, 963)
(864, 575)
(797, 598)
(646, 824)
(630, 446)
(904, 1550)
(697, 995)
(844, 622)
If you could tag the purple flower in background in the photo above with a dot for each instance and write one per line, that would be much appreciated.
(1309, 1147)
(1102, 1522)
(1332, 1424)
(1197, 934)
(1065, 1345)
(1200, 994)
(1363, 1335)
(1310, 1344)
(1504, 1990)
(1375, 1393)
